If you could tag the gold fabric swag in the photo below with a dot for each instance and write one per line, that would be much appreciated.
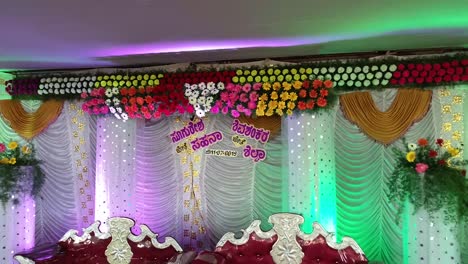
(408, 107)
(29, 125)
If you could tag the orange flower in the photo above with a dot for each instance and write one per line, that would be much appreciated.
(276, 86)
(297, 85)
(286, 86)
(140, 101)
(266, 86)
(328, 84)
(317, 84)
(141, 90)
(422, 142)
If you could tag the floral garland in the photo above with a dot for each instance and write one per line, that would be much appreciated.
(430, 177)
(238, 99)
(203, 96)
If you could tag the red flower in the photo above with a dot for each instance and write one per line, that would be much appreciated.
(414, 73)
(427, 67)
(442, 162)
(123, 91)
(401, 67)
(322, 102)
(301, 105)
(124, 100)
(302, 93)
(140, 101)
(440, 142)
(402, 81)
(464, 78)
(464, 62)
(459, 70)
(436, 67)
(141, 90)
(454, 63)
(313, 94)
(328, 84)
(450, 71)
(310, 104)
(445, 65)
(149, 99)
(323, 92)
(432, 153)
(406, 74)
(306, 84)
(411, 66)
(441, 72)
(419, 80)
(423, 74)
(438, 79)
(317, 84)
(419, 67)
(397, 74)
(422, 142)
(447, 78)
(132, 91)
(393, 81)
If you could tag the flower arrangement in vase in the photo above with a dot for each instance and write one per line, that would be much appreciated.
(20, 173)
(430, 176)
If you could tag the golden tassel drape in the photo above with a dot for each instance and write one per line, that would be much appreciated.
(272, 123)
(409, 106)
(29, 125)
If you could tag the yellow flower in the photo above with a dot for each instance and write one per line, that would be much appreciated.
(260, 112)
(292, 96)
(286, 86)
(411, 156)
(274, 95)
(279, 112)
(291, 105)
(269, 112)
(266, 86)
(281, 105)
(276, 86)
(284, 96)
(297, 85)
(12, 145)
(4, 161)
(453, 151)
(261, 104)
(12, 161)
(26, 149)
(289, 112)
(263, 98)
(272, 105)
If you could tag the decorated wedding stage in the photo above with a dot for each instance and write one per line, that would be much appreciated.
(195, 153)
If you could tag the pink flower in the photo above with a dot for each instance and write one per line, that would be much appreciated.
(215, 109)
(225, 110)
(233, 96)
(96, 110)
(104, 109)
(235, 114)
(421, 167)
(230, 104)
(224, 96)
(252, 105)
(190, 109)
(246, 88)
(253, 96)
(247, 112)
(2, 147)
(231, 87)
(243, 98)
(257, 86)
(240, 108)
(84, 95)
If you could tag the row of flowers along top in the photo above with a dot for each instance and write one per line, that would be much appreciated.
(359, 75)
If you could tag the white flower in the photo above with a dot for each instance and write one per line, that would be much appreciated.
(331, 69)
(209, 100)
(358, 84)
(51, 91)
(375, 82)
(45, 92)
(370, 76)
(365, 69)
(202, 85)
(194, 87)
(85, 84)
(108, 92)
(188, 93)
(41, 86)
(192, 100)
(374, 68)
(59, 79)
(345, 76)
(89, 90)
(341, 69)
(349, 69)
(46, 86)
(353, 76)
(78, 85)
(211, 85)
(88, 78)
(205, 92)
(412, 146)
(361, 76)
(68, 85)
(116, 101)
(201, 100)
(119, 109)
(48, 80)
(328, 76)
(54, 79)
(383, 67)
(384, 82)
(78, 91)
(197, 106)
(207, 108)
(39, 92)
(186, 85)
(336, 77)
(323, 70)
(82, 78)
(67, 90)
(56, 85)
(214, 91)
(108, 101)
(220, 86)
(124, 116)
(357, 69)
(393, 67)
(195, 93)
(117, 116)
(115, 90)
(367, 83)
(62, 85)
(341, 83)
(72, 90)
(349, 83)
(111, 109)
(56, 91)
(43, 80)
(90, 84)
(388, 75)
(93, 78)
(316, 71)
(378, 75)
(200, 113)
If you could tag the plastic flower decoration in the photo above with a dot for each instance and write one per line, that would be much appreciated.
(203, 96)
(14, 157)
(432, 177)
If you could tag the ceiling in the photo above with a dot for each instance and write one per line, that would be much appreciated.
(57, 34)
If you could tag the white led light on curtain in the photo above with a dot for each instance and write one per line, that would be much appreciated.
(115, 168)
(312, 191)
